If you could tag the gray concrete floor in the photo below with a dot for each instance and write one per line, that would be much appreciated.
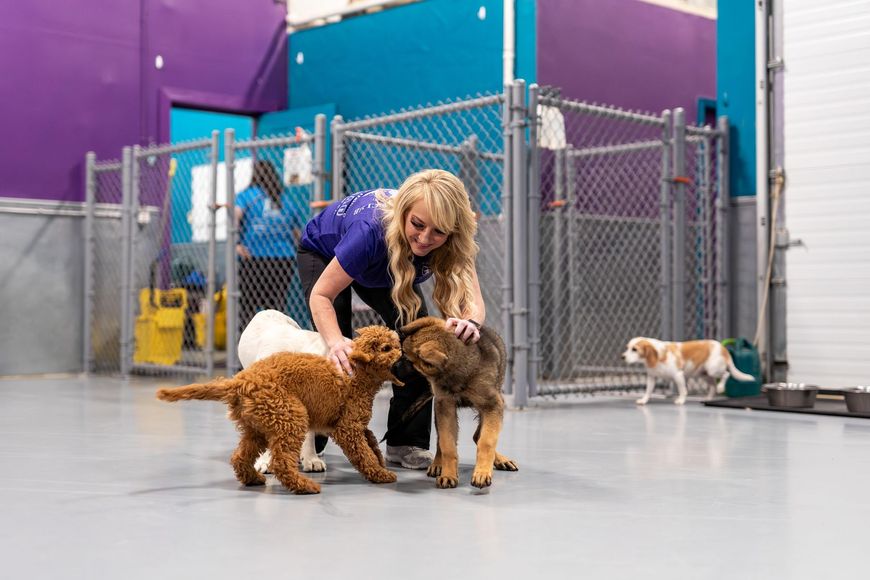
(100, 480)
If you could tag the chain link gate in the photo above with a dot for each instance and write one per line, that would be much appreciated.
(168, 315)
(631, 242)
(464, 137)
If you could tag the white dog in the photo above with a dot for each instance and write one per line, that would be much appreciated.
(678, 361)
(269, 332)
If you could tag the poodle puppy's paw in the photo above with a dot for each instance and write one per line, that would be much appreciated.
(306, 487)
(383, 476)
(503, 463)
(254, 480)
(680, 401)
(642, 401)
(313, 464)
(446, 482)
(434, 470)
(481, 478)
(263, 461)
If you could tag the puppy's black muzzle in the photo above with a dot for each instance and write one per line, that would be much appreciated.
(403, 369)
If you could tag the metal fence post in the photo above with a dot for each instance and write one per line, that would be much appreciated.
(557, 251)
(232, 234)
(534, 246)
(133, 303)
(319, 193)
(90, 200)
(507, 213)
(704, 192)
(723, 294)
(520, 247)
(127, 161)
(679, 254)
(667, 324)
(214, 154)
(468, 174)
(571, 173)
(337, 157)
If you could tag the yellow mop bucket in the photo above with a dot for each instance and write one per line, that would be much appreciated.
(220, 322)
(159, 328)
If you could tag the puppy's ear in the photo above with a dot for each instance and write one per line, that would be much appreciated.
(413, 327)
(357, 356)
(649, 353)
(430, 353)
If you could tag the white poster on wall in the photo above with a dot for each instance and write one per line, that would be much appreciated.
(201, 190)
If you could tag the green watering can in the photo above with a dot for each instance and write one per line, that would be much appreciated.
(745, 357)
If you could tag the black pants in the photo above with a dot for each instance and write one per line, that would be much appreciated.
(263, 284)
(417, 430)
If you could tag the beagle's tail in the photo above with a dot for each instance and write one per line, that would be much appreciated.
(737, 373)
(216, 390)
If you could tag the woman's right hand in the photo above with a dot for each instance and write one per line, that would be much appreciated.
(339, 354)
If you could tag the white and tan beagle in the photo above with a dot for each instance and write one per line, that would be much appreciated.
(678, 361)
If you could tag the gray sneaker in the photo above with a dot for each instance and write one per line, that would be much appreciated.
(409, 457)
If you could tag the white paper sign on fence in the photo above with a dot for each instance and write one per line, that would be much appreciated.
(297, 165)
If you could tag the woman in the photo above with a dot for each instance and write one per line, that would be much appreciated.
(384, 244)
(268, 231)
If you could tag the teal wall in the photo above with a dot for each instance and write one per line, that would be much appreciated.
(286, 121)
(735, 56)
(188, 125)
(424, 52)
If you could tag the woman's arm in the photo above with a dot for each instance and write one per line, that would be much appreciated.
(476, 311)
(467, 328)
(331, 282)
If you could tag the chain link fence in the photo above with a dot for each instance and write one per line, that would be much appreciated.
(595, 224)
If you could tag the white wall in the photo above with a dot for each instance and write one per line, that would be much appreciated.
(826, 94)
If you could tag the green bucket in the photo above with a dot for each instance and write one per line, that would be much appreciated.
(745, 357)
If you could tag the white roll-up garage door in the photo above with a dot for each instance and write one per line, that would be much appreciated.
(826, 98)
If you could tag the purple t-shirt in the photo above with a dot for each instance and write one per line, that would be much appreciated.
(350, 229)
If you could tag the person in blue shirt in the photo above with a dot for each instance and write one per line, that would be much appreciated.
(269, 226)
(383, 244)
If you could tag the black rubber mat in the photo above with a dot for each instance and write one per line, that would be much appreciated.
(825, 405)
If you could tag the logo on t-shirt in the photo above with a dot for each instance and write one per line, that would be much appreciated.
(342, 208)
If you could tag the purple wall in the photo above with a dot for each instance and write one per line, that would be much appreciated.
(79, 76)
(627, 53)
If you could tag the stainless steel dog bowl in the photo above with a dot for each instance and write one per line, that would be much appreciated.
(793, 395)
(857, 399)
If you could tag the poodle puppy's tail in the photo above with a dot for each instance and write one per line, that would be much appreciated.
(216, 390)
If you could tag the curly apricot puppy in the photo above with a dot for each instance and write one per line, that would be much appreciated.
(461, 375)
(275, 401)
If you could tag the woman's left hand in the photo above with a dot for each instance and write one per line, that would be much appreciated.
(465, 330)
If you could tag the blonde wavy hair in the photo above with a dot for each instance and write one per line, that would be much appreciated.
(453, 263)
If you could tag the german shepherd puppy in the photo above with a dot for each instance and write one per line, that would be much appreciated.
(461, 375)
